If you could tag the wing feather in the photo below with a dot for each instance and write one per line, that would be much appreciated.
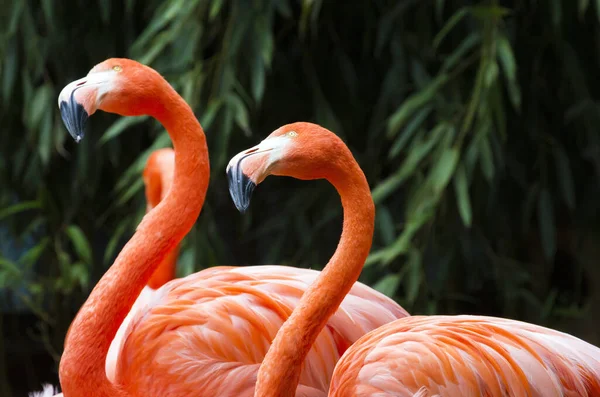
(467, 356)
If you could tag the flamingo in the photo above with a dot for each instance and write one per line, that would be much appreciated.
(205, 334)
(157, 177)
(412, 356)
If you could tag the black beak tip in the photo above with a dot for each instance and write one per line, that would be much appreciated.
(240, 189)
(74, 116)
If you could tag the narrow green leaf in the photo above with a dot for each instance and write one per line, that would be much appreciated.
(418, 150)
(564, 176)
(258, 78)
(454, 19)
(546, 224)
(10, 267)
(385, 225)
(133, 188)
(461, 189)
(489, 12)
(80, 242)
(9, 70)
(549, 304)
(414, 102)
(114, 240)
(239, 111)
(598, 10)
(80, 274)
(45, 139)
(215, 7)
(20, 207)
(119, 126)
(33, 254)
(583, 6)
(415, 275)
(388, 284)
(509, 66)
(491, 73)
(39, 105)
(443, 169)
(211, 111)
(465, 46)
(409, 131)
(486, 157)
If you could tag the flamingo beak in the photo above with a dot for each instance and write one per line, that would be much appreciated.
(80, 99)
(249, 168)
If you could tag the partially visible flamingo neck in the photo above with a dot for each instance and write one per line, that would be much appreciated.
(164, 173)
(82, 367)
(279, 372)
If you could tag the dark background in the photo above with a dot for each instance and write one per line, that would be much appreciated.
(475, 123)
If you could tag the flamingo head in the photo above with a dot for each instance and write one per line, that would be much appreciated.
(299, 150)
(117, 85)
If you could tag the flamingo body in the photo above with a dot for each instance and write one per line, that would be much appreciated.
(206, 334)
(450, 356)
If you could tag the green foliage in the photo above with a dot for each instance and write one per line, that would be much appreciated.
(479, 138)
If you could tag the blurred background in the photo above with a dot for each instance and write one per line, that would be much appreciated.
(474, 121)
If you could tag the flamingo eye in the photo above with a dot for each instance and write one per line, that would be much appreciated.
(117, 68)
(292, 133)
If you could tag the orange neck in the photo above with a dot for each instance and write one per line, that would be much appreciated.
(279, 372)
(82, 367)
(165, 271)
(161, 179)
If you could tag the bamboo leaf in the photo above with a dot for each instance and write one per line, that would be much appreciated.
(414, 275)
(419, 149)
(114, 240)
(33, 254)
(211, 111)
(80, 242)
(388, 284)
(443, 169)
(119, 126)
(461, 189)
(258, 78)
(468, 43)
(239, 111)
(20, 207)
(486, 157)
(489, 12)
(9, 70)
(583, 6)
(414, 102)
(79, 273)
(385, 224)
(215, 8)
(454, 19)
(409, 131)
(509, 66)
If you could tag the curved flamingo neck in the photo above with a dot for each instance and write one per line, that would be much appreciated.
(162, 178)
(279, 372)
(82, 366)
